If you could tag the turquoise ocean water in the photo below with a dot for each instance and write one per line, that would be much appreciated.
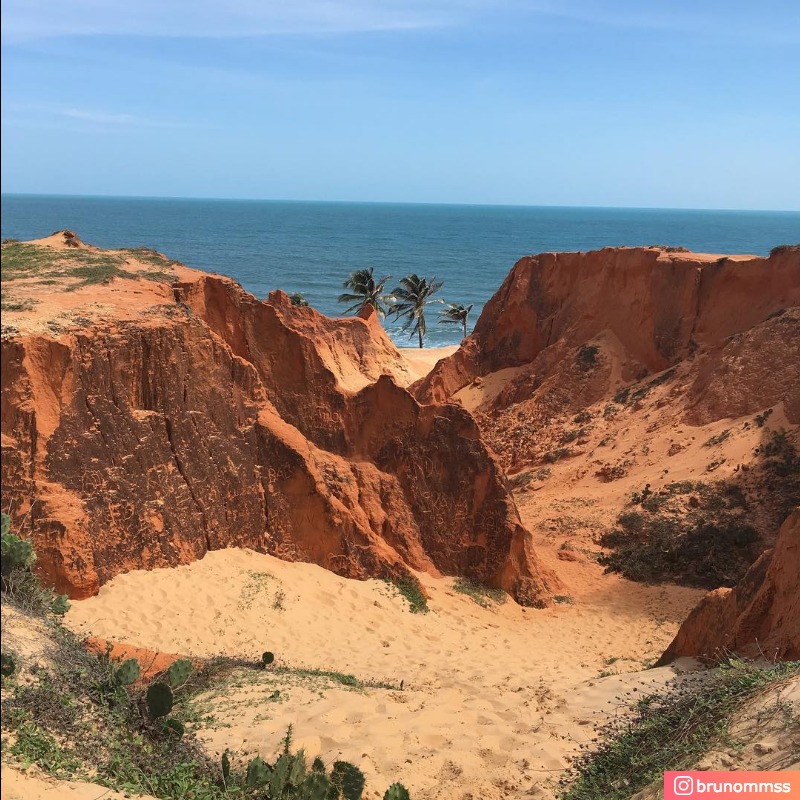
(311, 247)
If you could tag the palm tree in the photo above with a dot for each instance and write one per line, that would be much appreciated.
(410, 299)
(364, 291)
(456, 314)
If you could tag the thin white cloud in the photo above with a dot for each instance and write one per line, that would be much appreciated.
(34, 114)
(100, 117)
(32, 19)
(24, 20)
(109, 119)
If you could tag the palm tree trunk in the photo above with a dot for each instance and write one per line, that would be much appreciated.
(465, 329)
(419, 333)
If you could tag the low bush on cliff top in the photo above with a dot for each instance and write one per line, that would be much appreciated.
(672, 730)
(24, 260)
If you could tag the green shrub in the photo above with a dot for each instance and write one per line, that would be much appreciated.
(481, 594)
(17, 554)
(587, 356)
(691, 551)
(410, 589)
(19, 584)
(298, 300)
(556, 455)
(761, 419)
(718, 439)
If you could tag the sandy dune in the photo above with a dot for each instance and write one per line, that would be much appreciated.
(492, 699)
(422, 360)
(21, 786)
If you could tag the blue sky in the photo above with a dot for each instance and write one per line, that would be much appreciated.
(618, 103)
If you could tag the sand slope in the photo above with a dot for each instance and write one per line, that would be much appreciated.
(22, 786)
(493, 699)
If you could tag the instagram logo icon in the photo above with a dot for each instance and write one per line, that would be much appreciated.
(683, 785)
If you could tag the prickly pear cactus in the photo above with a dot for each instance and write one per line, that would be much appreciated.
(60, 605)
(297, 773)
(226, 768)
(267, 658)
(349, 779)
(173, 727)
(16, 553)
(318, 765)
(316, 787)
(179, 672)
(280, 775)
(119, 696)
(159, 700)
(396, 792)
(258, 773)
(127, 672)
(7, 665)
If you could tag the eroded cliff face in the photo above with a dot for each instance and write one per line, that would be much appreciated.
(759, 617)
(210, 419)
(649, 308)
(602, 378)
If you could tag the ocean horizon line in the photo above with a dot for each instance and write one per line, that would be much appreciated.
(403, 203)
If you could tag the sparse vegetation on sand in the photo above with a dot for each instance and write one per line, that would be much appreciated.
(673, 729)
(86, 717)
(412, 591)
(24, 260)
(484, 596)
(632, 394)
(707, 534)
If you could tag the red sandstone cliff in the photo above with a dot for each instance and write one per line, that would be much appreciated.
(197, 417)
(761, 615)
(657, 308)
(557, 370)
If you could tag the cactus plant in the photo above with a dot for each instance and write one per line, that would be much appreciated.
(127, 673)
(179, 672)
(396, 792)
(267, 658)
(159, 699)
(60, 605)
(280, 775)
(297, 773)
(119, 695)
(7, 665)
(316, 787)
(174, 727)
(318, 765)
(258, 773)
(226, 768)
(16, 553)
(349, 779)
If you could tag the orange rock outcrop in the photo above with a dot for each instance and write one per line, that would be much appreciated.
(760, 616)
(658, 306)
(211, 419)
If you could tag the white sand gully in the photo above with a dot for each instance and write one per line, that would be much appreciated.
(493, 699)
